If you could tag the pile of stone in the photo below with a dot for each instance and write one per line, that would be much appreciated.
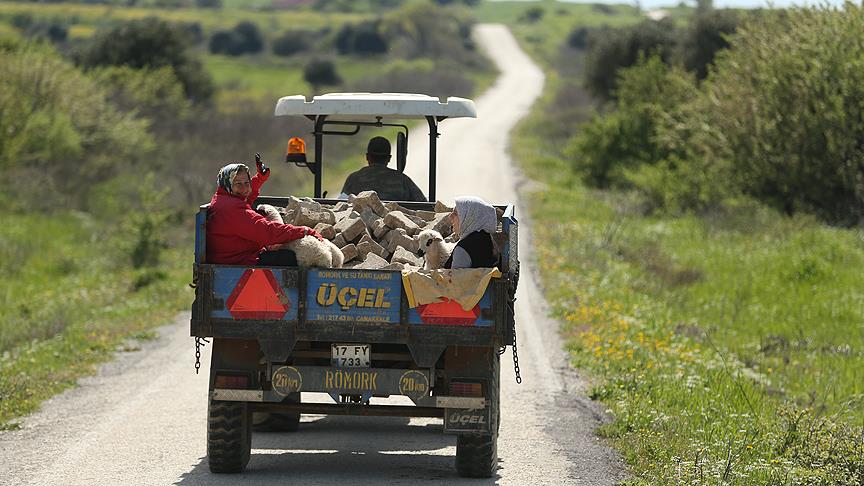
(372, 235)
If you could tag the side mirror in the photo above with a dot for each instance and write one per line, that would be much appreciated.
(401, 151)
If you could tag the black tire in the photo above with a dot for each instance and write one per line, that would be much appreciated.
(476, 455)
(229, 436)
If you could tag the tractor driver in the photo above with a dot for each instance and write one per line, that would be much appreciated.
(391, 185)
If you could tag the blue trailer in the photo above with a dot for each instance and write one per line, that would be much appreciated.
(280, 332)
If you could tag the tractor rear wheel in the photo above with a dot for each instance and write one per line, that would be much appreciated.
(476, 455)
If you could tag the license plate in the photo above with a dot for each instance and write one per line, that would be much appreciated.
(350, 355)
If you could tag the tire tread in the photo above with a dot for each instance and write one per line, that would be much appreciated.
(229, 436)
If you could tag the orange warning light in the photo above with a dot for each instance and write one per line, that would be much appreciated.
(296, 151)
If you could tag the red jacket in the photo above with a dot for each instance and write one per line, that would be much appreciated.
(236, 233)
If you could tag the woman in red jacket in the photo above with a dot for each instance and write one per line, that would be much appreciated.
(236, 233)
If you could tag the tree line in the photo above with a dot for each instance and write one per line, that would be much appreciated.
(766, 107)
(85, 120)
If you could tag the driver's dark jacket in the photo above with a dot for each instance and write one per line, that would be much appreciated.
(391, 185)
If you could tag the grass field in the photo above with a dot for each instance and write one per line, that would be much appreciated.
(69, 299)
(543, 38)
(270, 22)
(727, 346)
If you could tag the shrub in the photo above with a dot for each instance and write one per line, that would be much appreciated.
(150, 43)
(319, 72)
(603, 8)
(779, 120)
(244, 38)
(60, 133)
(612, 49)
(787, 98)
(54, 31)
(252, 41)
(532, 15)
(22, 20)
(291, 42)
(418, 78)
(154, 93)
(146, 226)
(692, 175)
(208, 3)
(363, 39)
(578, 38)
(421, 30)
(607, 149)
(225, 42)
(706, 35)
(470, 3)
(356, 5)
(193, 31)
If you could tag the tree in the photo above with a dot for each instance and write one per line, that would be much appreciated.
(470, 3)
(363, 39)
(612, 49)
(153, 93)
(244, 38)
(150, 43)
(787, 96)
(320, 72)
(708, 33)
(291, 42)
(532, 15)
(59, 129)
(578, 38)
(250, 37)
(606, 149)
(194, 32)
(55, 32)
(225, 42)
(423, 30)
(704, 6)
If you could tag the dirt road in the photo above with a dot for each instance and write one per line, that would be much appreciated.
(141, 420)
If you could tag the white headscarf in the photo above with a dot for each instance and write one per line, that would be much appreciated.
(475, 214)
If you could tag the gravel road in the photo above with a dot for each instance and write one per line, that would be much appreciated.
(141, 419)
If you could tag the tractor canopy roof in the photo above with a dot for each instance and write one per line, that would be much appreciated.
(362, 106)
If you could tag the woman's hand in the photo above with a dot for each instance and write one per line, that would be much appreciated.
(263, 170)
(312, 232)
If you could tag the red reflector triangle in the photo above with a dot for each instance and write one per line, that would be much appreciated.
(258, 296)
(449, 312)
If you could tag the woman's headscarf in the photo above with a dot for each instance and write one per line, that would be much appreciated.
(227, 174)
(475, 214)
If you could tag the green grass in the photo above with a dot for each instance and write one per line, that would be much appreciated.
(265, 78)
(271, 22)
(256, 77)
(543, 38)
(248, 78)
(728, 347)
(69, 299)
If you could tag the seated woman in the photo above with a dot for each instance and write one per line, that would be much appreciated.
(474, 221)
(236, 233)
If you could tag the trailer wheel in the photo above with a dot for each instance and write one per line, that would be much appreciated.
(476, 455)
(229, 436)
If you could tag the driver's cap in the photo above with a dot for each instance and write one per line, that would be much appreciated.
(378, 146)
